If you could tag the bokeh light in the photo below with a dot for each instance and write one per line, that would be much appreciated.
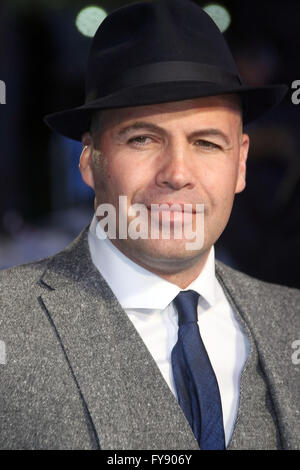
(219, 14)
(89, 19)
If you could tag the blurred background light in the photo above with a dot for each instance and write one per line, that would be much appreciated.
(219, 14)
(88, 20)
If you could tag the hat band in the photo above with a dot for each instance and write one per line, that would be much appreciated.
(159, 72)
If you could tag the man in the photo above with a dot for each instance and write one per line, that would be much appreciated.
(103, 348)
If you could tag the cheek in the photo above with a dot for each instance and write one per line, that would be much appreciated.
(120, 176)
(218, 182)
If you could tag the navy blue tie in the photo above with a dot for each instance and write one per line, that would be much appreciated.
(196, 384)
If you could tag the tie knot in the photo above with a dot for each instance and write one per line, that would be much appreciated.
(186, 303)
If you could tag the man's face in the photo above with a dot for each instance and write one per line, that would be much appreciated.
(186, 152)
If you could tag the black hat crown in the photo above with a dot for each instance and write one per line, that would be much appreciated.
(155, 52)
(148, 33)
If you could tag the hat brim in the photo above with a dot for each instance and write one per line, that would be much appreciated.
(73, 123)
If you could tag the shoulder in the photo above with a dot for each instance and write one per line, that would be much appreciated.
(22, 275)
(245, 281)
(19, 288)
(279, 302)
(26, 275)
(27, 270)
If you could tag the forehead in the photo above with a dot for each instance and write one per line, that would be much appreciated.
(226, 109)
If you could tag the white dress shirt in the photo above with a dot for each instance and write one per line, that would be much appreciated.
(147, 300)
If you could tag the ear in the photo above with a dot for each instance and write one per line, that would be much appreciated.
(85, 166)
(244, 148)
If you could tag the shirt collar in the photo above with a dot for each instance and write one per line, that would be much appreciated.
(136, 287)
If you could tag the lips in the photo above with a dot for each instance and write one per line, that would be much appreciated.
(180, 207)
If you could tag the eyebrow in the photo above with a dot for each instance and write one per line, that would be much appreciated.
(140, 125)
(209, 132)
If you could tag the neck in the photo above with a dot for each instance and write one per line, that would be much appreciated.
(182, 278)
(179, 272)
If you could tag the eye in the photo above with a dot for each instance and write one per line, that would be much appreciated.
(206, 144)
(140, 140)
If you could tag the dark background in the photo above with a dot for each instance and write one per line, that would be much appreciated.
(44, 204)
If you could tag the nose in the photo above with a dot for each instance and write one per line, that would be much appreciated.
(175, 169)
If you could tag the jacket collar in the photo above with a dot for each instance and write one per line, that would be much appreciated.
(109, 359)
(128, 401)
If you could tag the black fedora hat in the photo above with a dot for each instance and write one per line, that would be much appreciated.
(156, 52)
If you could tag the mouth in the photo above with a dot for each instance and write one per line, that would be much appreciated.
(171, 207)
(171, 212)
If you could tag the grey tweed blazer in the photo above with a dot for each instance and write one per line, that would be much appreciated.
(75, 374)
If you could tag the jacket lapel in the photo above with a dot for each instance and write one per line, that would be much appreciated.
(271, 329)
(129, 402)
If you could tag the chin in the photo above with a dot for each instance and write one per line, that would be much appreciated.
(156, 252)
